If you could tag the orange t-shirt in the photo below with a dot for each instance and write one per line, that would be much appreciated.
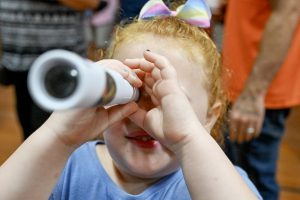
(244, 26)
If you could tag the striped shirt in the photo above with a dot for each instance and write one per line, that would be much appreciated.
(30, 27)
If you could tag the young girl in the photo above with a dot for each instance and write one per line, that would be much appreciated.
(156, 148)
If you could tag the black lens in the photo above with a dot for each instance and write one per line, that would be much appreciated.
(61, 80)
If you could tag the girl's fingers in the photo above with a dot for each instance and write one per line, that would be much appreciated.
(141, 74)
(154, 100)
(154, 64)
(149, 91)
(128, 74)
(119, 112)
(132, 78)
(156, 74)
(139, 63)
(149, 81)
(167, 71)
(138, 117)
(159, 75)
(141, 118)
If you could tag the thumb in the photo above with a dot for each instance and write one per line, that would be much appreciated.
(119, 112)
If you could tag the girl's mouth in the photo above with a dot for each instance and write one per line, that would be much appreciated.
(143, 140)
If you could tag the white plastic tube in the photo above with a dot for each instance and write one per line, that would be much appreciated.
(88, 83)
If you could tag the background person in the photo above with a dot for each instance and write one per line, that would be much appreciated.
(261, 53)
(30, 28)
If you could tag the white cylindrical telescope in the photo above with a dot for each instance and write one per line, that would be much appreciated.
(60, 80)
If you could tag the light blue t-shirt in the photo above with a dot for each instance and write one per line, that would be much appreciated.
(84, 178)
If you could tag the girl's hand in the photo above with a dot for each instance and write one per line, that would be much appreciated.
(74, 127)
(172, 120)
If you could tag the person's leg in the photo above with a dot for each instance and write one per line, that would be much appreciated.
(29, 114)
(259, 156)
(5, 76)
(22, 101)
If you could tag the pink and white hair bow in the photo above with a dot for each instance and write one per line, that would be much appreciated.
(195, 12)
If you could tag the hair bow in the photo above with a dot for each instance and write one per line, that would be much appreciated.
(195, 12)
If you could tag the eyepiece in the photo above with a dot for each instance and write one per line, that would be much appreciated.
(61, 80)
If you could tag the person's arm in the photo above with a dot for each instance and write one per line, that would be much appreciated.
(248, 110)
(81, 4)
(207, 171)
(34, 168)
(32, 171)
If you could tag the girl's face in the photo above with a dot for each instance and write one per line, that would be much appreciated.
(129, 145)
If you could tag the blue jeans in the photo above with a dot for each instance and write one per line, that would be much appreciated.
(259, 156)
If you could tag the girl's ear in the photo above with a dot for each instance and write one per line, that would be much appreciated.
(212, 116)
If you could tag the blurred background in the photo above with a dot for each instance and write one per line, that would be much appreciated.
(288, 173)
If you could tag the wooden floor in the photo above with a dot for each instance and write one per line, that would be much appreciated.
(289, 163)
